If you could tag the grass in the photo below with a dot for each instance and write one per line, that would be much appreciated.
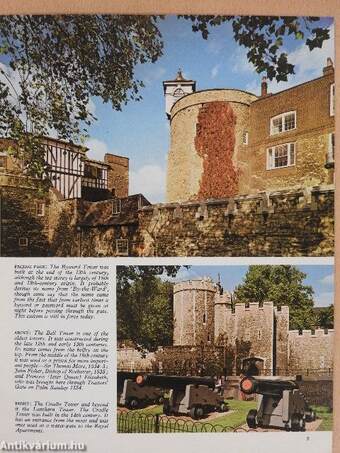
(228, 421)
(326, 415)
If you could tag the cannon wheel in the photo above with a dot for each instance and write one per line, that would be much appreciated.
(196, 412)
(166, 407)
(251, 418)
(310, 415)
(133, 403)
(223, 407)
(297, 422)
(160, 400)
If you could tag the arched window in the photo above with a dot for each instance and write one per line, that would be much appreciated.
(178, 92)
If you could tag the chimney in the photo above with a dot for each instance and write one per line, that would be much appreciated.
(264, 87)
(329, 68)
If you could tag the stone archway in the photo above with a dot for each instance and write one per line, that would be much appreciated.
(253, 366)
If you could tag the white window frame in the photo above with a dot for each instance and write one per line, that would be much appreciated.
(116, 206)
(283, 116)
(23, 242)
(331, 148)
(271, 156)
(332, 99)
(119, 242)
(42, 204)
(245, 138)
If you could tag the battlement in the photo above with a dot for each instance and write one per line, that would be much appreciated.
(223, 299)
(280, 311)
(262, 202)
(296, 334)
(204, 284)
(295, 222)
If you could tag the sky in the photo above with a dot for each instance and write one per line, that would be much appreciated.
(141, 130)
(320, 277)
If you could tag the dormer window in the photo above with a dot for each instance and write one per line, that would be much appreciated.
(332, 100)
(283, 123)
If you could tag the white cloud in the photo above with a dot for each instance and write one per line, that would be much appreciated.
(182, 275)
(324, 299)
(328, 279)
(97, 148)
(239, 61)
(308, 64)
(215, 71)
(150, 181)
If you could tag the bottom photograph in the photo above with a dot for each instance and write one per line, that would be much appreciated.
(229, 348)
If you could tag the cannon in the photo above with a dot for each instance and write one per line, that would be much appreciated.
(132, 395)
(280, 403)
(188, 395)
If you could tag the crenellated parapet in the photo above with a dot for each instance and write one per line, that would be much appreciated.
(295, 222)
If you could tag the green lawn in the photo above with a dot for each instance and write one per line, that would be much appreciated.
(228, 421)
(327, 418)
(233, 420)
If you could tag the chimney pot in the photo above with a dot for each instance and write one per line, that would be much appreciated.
(264, 86)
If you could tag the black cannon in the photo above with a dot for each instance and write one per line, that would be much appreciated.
(280, 403)
(134, 396)
(188, 395)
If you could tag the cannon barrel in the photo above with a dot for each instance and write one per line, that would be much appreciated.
(173, 382)
(271, 387)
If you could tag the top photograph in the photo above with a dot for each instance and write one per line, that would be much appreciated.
(152, 136)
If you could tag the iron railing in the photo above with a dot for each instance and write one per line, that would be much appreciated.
(138, 422)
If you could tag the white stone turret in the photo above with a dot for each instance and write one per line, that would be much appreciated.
(176, 89)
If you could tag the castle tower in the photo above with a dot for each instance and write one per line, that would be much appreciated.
(194, 312)
(176, 89)
(208, 143)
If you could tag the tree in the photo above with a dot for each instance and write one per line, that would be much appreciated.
(265, 36)
(57, 63)
(144, 305)
(283, 285)
(325, 317)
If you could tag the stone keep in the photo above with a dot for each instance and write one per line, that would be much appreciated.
(207, 131)
(194, 312)
(203, 315)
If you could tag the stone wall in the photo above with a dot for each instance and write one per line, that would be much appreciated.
(311, 350)
(285, 223)
(311, 102)
(130, 359)
(24, 228)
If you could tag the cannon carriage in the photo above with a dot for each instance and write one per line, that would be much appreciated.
(134, 396)
(188, 395)
(280, 403)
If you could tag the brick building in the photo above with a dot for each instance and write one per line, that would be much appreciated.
(254, 335)
(227, 142)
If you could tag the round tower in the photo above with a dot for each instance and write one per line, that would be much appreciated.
(194, 312)
(209, 130)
